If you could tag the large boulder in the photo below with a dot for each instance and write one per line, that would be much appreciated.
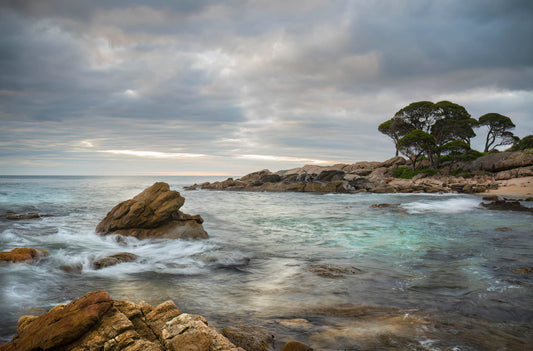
(97, 322)
(500, 161)
(154, 213)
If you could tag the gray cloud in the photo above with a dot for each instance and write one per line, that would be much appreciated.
(302, 79)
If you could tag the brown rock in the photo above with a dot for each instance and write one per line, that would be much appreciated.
(191, 332)
(500, 161)
(154, 213)
(502, 205)
(296, 346)
(31, 215)
(62, 325)
(23, 254)
(249, 337)
(114, 259)
(491, 198)
(332, 271)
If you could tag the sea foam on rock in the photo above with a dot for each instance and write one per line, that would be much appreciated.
(154, 213)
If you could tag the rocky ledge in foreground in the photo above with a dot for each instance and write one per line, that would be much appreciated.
(154, 213)
(477, 176)
(97, 322)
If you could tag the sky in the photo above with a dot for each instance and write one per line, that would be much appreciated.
(190, 87)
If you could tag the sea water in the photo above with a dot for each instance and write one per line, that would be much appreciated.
(441, 257)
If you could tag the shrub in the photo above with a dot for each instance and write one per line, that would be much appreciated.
(408, 173)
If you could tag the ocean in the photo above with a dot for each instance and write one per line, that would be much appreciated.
(429, 272)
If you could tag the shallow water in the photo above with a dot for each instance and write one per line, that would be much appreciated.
(448, 264)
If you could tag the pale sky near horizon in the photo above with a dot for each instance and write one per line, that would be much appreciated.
(230, 87)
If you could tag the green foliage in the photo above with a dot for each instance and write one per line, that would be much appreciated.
(460, 173)
(403, 173)
(420, 115)
(499, 130)
(408, 173)
(415, 144)
(395, 128)
(523, 144)
(470, 155)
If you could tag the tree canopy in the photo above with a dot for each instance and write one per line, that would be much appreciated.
(415, 144)
(499, 130)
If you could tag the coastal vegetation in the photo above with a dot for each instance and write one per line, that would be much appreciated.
(427, 130)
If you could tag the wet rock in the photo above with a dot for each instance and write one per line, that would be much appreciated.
(191, 332)
(330, 176)
(525, 270)
(62, 325)
(154, 213)
(332, 271)
(296, 346)
(23, 254)
(75, 268)
(382, 206)
(503, 229)
(249, 337)
(96, 322)
(491, 197)
(502, 205)
(114, 259)
(296, 323)
(15, 217)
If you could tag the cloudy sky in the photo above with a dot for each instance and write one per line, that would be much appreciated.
(230, 87)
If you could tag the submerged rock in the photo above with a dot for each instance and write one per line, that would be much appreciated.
(114, 259)
(249, 337)
(154, 213)
(503, 205)
(296, 346)
(332, 271)
(97, 322)
(23, 254)
(15, 217)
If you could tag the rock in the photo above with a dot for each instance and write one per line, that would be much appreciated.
(75, 268)
(503, 229)
(491, 197)
(332, 271)
(114, 259)
(154, 213)
(502, 205)
(394, 162)
(96, 322)
(62, 325)
(525, 270)
(514, 173)
(189, 332)
(23, 254)
(296, 346)
(380, 205)
(14, 217)
(500, 161)
(296, 323)
(330, 176)
(249, 337)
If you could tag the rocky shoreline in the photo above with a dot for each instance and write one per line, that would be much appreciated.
(482, 175)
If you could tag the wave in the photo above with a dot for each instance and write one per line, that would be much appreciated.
(447, 205)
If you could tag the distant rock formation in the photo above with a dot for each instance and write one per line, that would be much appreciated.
(477, 176)
(97, 322)
(154, 213)
(23, 254)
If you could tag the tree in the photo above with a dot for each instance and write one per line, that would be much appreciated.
(395, 128)
(523, 144)
(415, 144)
(421, 115)
(499, 130)
(454, 148)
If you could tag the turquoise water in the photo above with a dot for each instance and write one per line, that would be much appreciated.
(441, 256)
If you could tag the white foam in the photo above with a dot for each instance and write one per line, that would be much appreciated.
(446, 205)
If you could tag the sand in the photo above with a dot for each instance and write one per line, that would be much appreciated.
(518, 187)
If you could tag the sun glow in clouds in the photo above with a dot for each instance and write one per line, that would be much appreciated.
(152, 154)
(282, 159)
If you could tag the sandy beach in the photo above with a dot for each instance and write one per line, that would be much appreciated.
(518, 187)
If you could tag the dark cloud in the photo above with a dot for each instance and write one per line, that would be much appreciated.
(302, 79)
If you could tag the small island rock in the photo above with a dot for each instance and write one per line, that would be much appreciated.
(154, 213)
(23, 254)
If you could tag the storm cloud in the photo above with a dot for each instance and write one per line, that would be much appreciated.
(105, 87)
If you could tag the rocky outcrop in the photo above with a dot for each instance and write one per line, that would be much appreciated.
(500, 161)
(97, 322)
(114, 259)
(23, 254)
(154, 213)
(483, 174)
(503, 205)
